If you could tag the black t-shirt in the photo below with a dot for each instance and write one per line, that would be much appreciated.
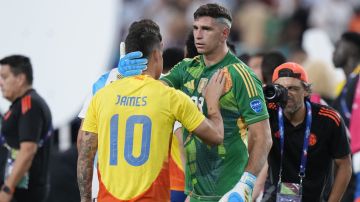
(327, 141)
(343, 103)
(29, 119)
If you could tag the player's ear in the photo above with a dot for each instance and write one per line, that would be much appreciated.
(21, 79)
(225, 33)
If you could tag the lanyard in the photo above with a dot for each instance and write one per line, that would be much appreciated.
(306, 140)
(344, 107)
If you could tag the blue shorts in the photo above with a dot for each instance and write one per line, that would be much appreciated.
(177, 196)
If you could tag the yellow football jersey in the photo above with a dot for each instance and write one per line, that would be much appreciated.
(177, 175)
(133, 118)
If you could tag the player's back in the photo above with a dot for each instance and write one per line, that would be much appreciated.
(135, 117)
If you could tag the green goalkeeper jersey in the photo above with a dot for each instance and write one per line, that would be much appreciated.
(211, 171)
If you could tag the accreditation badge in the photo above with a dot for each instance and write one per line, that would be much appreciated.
(12, 153)
(289, 192)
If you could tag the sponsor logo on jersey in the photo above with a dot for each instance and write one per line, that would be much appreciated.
(312, 139)
(202, 84)
(256, 105)
(190, 86)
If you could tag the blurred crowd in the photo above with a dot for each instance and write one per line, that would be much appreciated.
(304, 31)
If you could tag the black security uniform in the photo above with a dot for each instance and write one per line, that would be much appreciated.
(327, 141)
(29, 119)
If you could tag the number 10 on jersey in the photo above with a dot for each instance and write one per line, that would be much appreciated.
(145, 121)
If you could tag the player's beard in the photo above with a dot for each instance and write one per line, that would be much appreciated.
(294, 107)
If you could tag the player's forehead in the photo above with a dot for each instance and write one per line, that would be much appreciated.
(204, 21)
(288, 81)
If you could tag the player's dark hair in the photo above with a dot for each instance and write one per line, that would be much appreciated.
(353, 38)
(19, 64)
(212, 10)
(144, 36)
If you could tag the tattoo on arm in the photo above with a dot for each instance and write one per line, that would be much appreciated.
(87, 150)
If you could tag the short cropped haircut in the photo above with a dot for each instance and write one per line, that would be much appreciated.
(19, 64)
(144, 36)
(213, 10)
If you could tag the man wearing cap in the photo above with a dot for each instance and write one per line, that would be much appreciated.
(307, 139)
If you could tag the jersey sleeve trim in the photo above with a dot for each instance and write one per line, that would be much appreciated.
(249, 82)
(256, 119)
(25, 104)
(87, 128)
(330, 114)
(196, 124)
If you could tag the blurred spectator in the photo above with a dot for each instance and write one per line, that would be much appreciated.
(250, 20)
(171, 57)
(244, 58)
(190, 49)
(354, 25)
(321, 79)
(255, 64)
(26, 133)
(347, 56)
(332, 16)
(291, 35)
(298, 55)
(270, 61)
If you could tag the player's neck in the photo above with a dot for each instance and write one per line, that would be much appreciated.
(351, 65)
(297, 117)
(149, 73)
(215, 56)
(151, 69)
(21, 92)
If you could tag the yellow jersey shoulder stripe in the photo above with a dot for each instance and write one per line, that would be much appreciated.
(249, 82)
(250, 78)
(245, 81)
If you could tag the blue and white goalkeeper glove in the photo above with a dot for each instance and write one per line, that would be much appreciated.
(242, 191)
(132, 64)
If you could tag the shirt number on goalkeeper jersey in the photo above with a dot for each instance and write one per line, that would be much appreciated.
(145, 121)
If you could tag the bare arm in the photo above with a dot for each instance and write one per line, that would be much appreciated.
(259, 142)
(87, 150)
(209, 130)
(342, 178)
(22, 163)
(260, 182)
(80, 134)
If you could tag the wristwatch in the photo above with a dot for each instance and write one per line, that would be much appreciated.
(6, 189)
